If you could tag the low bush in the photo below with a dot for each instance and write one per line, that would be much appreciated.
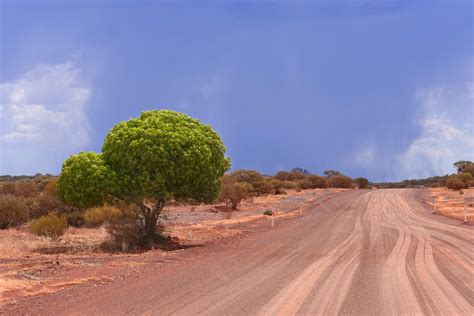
(263, 187)
(340, 181)
(268, 212)
(318, 182)
(7, 188)
(464, 177)
(44, 204)
(75, 218)
(234, 192)
(127, 234)
(362, 183)
(100, 215)
(50, 225)
(289, 185)
(13, 211)
(25, 188)
(304, 184)
(454, 183)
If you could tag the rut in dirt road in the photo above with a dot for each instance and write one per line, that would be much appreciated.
(363, 252)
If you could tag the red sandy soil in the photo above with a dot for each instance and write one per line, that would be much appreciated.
(31, 266)
(362, 252)
(451, 203)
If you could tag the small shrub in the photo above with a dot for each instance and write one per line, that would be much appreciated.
(318, 182)
(458, 185)
(44, 204)
(13, 211)
(442, 182)
(249, 176)
(25, 188)
(268, 212)
(304, 184)
(280, 186)
(234, 192)
(340, 181)
(100, 215)
(289, 185)
(362, 183)
(454, 183)
(50, 225)
(127, 234)
(75, 218)
(263, 187)
(8, 188)
(464, 177)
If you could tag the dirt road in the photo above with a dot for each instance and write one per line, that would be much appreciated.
(362, 252)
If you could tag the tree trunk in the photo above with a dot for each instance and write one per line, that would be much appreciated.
(151, 214)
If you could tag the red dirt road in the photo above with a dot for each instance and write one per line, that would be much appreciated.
(375, 252)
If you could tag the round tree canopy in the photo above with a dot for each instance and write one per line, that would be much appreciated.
(85, 181)
(165, 154)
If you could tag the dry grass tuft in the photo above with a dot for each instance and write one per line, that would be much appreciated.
(17, 243)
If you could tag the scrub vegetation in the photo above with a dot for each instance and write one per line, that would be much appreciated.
(161, 157)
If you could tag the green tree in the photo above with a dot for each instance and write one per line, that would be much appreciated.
(85, 180)
(159, 156)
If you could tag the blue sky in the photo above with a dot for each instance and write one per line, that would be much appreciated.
(382, 89)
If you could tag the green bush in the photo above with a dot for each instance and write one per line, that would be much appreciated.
(13, 211)
(268, 212)
(100, 215)
(50, 225)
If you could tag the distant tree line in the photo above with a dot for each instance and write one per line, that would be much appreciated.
(463, 178)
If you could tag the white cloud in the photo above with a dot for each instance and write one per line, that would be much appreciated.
(447, 132)
(44, 110)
